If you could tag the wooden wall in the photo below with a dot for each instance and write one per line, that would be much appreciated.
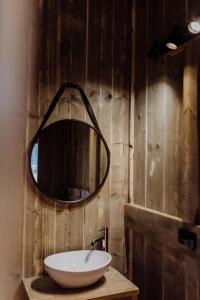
(164, 177)
(86, 42)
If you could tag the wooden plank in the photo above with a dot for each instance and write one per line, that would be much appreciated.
(48, 208)
(173, 95)
(93, 58)
(106, 104)
(140, 105)
(153, 270)
(118, 160)
(190, 136)
(192, 10)
(174, 267)
(43, 60)
(190, 125)
(139, 262)
(155, 111)
(173, 135)
(160, 226)
(127, 70)
(112, 286)
(78, 75)
(64, 69)
(132, 101)
(129, 252)
(192, 278)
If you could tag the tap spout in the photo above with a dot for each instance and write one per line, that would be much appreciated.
(96, 241)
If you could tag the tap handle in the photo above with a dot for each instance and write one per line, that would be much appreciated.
(104, 230)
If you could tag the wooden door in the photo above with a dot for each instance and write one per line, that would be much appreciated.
(164, 176)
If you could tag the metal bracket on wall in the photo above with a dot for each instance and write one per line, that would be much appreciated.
(187, 238)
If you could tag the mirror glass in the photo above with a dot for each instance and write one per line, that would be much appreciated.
(68, 161)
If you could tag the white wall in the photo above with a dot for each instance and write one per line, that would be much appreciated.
(13, 85)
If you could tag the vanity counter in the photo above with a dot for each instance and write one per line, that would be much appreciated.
(112, 286)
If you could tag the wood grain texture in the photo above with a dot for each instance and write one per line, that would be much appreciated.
(112, 286)
(174, 264)
(160, 226)
(79, 42)
(138, 260)
(155, 111)
(173, 103)
(119, 147)
(162, 268)
(166, 164)
(140, 106)
(93, 58)
(165, 115)
(190, 135)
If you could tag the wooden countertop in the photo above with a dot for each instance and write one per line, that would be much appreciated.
(113, 285)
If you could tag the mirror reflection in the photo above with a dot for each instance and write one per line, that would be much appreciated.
(68, 160)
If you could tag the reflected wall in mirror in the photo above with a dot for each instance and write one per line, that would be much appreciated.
(69, 161)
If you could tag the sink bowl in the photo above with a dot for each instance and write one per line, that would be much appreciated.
(75, 269)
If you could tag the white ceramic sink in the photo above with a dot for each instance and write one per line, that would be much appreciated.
(76, 269)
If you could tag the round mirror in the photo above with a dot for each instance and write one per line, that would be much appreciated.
(69, 161)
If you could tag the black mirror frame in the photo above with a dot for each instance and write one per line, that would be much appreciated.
(95, 128)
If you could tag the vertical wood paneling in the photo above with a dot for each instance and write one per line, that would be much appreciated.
(192, 276)
(131, 102)
(106, 101)
(139, 160)
(119, 144)
(173, 100)
(166, 129)
(190, 135)
(76, 44)
(153, 270)
(64, 66)
(139, 261)
(161, 168)
(93, 40)
(173, 135)
(78, 75)
(174, 264)
(48, 209)
(190, 157)
(155, 110)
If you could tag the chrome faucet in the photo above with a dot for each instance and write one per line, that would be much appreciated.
(102, 241)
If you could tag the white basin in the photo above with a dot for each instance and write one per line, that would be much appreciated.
(75, 269)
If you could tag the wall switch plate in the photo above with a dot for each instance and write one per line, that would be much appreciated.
(187, 238)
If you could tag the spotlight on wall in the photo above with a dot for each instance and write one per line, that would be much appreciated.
(194, 27)
(171, 46)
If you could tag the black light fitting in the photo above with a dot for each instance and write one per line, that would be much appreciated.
(179, 36)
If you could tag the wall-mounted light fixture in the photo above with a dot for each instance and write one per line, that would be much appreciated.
(179, 36)
(194, 27)
(171, 46)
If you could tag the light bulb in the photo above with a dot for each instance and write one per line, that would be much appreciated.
(171, 46)
(194, 27)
